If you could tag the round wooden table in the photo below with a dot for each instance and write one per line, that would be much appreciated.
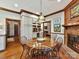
(46, 43)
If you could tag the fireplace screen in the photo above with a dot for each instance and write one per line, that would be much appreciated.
(73, 42)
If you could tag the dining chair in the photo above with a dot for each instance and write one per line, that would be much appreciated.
(25, 53)
(56, 49)
(25, 38)
(40, 54)
(59, 39)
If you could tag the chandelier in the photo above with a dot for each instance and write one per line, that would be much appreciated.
(41, 18)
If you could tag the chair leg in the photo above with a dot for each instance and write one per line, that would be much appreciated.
(58, 55)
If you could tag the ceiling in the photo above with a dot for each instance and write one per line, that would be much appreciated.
(48, 6)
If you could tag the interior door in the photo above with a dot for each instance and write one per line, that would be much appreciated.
(16, 30)
(8, 29)
(47, 29)
(13, 29)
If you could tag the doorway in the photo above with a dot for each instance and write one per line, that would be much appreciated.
(12, 30)
(47, 29)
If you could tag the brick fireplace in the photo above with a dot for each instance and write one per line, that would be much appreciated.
(73, 42)
(72, 36)
(71, 31)
(72, 27)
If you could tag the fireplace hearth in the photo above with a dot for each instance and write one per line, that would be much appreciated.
(73, 42)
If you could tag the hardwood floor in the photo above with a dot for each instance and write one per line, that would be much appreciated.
(62, 56)
(13, 51)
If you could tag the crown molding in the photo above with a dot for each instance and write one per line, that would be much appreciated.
(9, 10)
(54, 13)
(71, 3)
(22, 10)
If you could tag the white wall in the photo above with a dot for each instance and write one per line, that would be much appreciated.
(2, 42)
(53, 17)
(26, 27)
(3, 16)
(34, 35)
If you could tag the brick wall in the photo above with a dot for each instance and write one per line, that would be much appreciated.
(71, 21)
(71, 27)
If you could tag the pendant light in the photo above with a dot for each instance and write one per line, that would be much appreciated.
(41, 18)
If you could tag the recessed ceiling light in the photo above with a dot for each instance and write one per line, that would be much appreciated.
(59, 0)
(16, 5)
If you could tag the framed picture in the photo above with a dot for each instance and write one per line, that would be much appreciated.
(74, 11)
(57, 24)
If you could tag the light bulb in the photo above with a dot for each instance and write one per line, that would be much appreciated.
(41, 17)
(59, 0)
(16, 5)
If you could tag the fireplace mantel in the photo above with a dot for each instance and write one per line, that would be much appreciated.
(71, 24)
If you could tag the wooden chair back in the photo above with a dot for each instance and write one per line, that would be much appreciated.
(39, 54)
(25, 54)
(56, 49)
